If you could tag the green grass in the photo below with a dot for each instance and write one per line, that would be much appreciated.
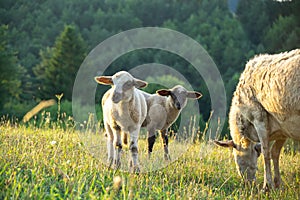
(57, 164)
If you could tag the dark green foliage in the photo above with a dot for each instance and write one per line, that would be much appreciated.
(254, 18)
(10, 71)
(270, 22)
(57, 70)
(283, 35)
(16, 109)
(52, 52)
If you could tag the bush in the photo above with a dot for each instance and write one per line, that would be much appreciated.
(15, 110)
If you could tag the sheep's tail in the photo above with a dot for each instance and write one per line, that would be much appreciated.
(124, 138)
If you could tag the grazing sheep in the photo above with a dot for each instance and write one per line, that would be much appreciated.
(163, 110)
(265, 107)
(124, 110)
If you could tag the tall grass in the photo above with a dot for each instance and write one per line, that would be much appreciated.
(54, 163)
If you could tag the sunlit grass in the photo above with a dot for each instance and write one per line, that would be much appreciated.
(53, 163)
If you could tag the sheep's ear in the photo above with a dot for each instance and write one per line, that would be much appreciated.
(194, 95)
(139, 83)
(228, 143)
(105, 80)
(163, 92)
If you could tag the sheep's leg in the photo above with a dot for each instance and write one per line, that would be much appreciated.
(109, 143)
(165, 139)
(151, 141)
(275, 152)
(261, 128)
(118, 148)
(134, 164)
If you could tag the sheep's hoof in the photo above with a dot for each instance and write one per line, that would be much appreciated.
(117, 165)
(267, 188)
(109, 163)
(167, 157)
(277, 182)
(135, 170)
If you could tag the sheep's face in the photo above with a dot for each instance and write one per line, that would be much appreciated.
(179, 95)
(245, 155)
(123, 85)
(246, 160)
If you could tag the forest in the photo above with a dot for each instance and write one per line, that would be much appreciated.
(44, 42)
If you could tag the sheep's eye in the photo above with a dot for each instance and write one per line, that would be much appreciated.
(127, 85)
(174, 97)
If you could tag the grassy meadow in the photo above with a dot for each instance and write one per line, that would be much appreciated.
(54, 163)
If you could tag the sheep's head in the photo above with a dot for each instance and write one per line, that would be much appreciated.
(179, 95)
(123, 85)
(245, 154)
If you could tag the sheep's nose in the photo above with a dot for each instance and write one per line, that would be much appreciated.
(116, 98)
(177, 106)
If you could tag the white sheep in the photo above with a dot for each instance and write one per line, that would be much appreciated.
(265, 107)
(163, 110)
(124, 110)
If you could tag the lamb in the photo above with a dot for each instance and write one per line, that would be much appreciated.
(124, 110)
(265, 107)
(163, 110)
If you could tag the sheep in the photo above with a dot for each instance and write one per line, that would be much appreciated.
(124, 110)
(265, 107)
(164, 108)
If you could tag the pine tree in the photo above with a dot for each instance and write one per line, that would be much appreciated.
(10, 71)
(283, 35)
(254, 18)
(57, 71)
